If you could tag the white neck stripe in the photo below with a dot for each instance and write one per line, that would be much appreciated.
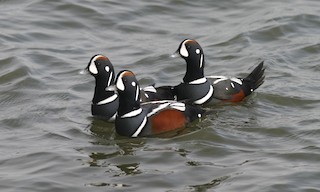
(132, 113)
(108, 100)
(137, 93)
(205, 98)
(138, 131)
(198, 81)
(110, 77)
(201, 60)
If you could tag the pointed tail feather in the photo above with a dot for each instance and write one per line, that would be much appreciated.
(254, 79)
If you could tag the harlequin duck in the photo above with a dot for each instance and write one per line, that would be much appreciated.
(202, 89)
(105, 101)
(144, 119)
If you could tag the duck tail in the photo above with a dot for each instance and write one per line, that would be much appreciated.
(254, 79)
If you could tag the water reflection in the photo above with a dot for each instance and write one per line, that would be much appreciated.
(209, 185)
(130, 169)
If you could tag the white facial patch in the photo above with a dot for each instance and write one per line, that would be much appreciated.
(119, 83)
(107, 68)
(133, 84)
(183, 50)
(92, 67)
(197, 51)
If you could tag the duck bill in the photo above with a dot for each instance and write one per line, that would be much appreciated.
(175, 54)
(84, 71)
(111, 88)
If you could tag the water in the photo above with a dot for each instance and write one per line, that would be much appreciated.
(50, 142)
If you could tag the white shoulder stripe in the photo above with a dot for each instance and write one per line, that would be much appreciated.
(205, 98)
(237, 80)
(198, 81)
(132, 113)
(160, 107)
(178, 106)
(150, 89)
(217, 77)
(138, 131)
(108, 100)
(218, 80)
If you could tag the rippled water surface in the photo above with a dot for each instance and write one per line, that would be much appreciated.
(50, 141)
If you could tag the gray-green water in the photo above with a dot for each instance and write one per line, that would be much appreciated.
(50, 142)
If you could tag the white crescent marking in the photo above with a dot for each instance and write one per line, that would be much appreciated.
(120, 84)
(183, 50)
(92, 68)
